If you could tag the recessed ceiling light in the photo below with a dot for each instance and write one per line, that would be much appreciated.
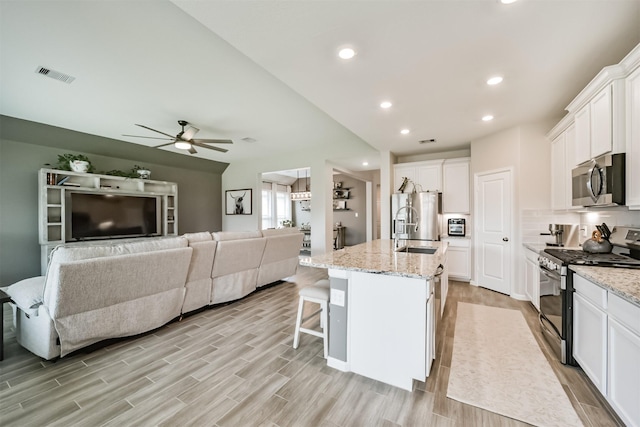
(385, 104)
(487, 118)
(507, 1)
(346, 53)
(494, 80)
(405, 131)
(365, 163)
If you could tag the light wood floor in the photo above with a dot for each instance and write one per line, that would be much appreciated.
(234, 365)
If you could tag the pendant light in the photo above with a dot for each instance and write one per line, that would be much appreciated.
(301, 195)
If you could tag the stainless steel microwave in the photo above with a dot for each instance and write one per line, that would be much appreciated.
(599, 182)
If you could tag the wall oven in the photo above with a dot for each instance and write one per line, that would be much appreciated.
(600, 182)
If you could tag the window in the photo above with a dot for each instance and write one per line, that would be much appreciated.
(276, 204)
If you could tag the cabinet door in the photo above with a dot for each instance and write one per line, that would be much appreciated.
(633, 140)
(399, 172)
(583, 135)
(430, 177)
(601, 123)
(455, 192)
(459, 261)
(624, 372)
(590, 340)
(558, 173)
(532, 282)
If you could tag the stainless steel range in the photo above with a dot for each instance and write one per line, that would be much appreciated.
(556, 279)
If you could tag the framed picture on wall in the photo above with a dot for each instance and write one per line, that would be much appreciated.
(238, 202)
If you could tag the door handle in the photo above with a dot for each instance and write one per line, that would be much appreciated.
(505, 239)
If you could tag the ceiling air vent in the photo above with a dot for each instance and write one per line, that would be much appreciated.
(427, 141)
(66, 78)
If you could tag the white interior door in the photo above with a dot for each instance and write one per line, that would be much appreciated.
(493, 231)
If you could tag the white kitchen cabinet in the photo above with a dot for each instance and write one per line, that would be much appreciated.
(401, 171)
(455, 192)
(594, 127)
(623, 379)
(583, 135)
(459, 259)
(606, 344)
(590, 340)
(633, 140)
(430, 176)
(532, 277)
(427, 176)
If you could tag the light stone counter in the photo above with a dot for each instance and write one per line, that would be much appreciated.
(379, 257)
(624, 282)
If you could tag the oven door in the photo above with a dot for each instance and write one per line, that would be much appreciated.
(553, 312)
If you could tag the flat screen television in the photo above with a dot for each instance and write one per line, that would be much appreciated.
(91, 216)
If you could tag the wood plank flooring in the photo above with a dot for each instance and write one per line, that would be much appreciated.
(233, 365)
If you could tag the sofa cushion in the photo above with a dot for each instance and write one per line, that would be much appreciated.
(236, 235)
(27, 294)
(279, 231)
(202, 236)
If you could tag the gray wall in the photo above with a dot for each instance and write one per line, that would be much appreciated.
(356, 227)
(199, 188)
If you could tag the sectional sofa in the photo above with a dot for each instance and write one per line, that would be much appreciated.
(100, 291)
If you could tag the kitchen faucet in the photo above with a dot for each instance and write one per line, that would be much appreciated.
(409, 208)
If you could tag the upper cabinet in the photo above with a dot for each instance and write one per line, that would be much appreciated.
(633, 139)
(426, 176)
(602, 119)
(561, 164)
(449, 177)
(455, 193)
(594, 127)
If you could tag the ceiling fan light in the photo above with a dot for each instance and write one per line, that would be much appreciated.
(182, 145)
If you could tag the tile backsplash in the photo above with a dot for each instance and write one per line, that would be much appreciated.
(535, 222)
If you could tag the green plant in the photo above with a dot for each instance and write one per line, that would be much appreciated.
(64, 159)
(117, 172)
(287, 223)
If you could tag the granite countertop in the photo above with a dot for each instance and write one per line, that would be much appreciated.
(624, 282)
(379, 257)
(536, 247)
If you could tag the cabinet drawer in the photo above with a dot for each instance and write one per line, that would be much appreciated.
(458, 243)
(592, 292)
(624, 312)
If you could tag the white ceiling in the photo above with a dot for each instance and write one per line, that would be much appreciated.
(268, 69)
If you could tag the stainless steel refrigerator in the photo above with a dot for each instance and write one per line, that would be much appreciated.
(420, 223)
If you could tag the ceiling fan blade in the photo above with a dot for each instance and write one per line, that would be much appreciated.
(164, 145)
(212, 141)
(147, 137)
(189, 133)
(147, 127)
(192, 150)
(222, 150)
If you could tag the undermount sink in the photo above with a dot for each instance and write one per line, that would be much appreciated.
(418, 249)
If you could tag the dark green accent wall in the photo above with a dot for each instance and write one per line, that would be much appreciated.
(25, 147)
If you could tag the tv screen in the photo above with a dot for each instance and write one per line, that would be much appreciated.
(104, 216)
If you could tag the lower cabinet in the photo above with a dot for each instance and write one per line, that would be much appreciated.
(532, 277)
(623, 381)
(459, 259)
(606, 344)
(590, 340)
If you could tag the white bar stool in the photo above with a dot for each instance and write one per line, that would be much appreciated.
(318, 294)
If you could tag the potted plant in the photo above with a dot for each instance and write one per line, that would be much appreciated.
(74, 162)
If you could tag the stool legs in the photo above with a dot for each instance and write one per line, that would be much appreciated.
(323, 323)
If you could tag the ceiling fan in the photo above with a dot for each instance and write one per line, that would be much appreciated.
(184, 140)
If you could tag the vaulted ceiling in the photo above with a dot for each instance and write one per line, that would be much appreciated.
(266, 73)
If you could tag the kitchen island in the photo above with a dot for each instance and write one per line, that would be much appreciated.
(383, 308)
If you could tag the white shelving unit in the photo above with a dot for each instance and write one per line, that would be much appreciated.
(53, 184)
